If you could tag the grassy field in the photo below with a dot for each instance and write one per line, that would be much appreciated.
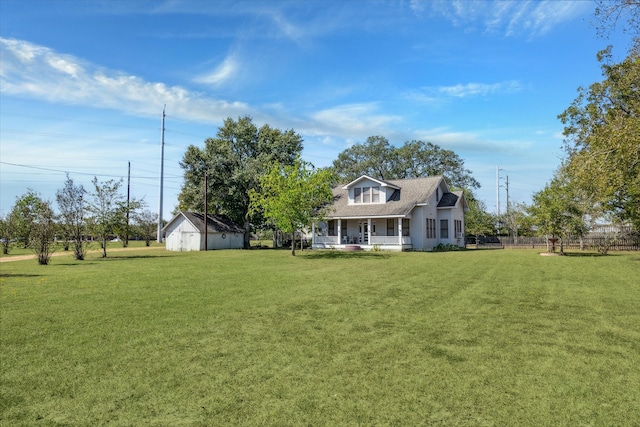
(477, 338)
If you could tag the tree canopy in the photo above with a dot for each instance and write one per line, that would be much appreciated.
(292, 196)
(377, 158)
(602, 138)
(234, 161)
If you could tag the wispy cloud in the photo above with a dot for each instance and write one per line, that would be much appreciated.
(40, 72)
(436, 94)
(222, 73)
(478, 89)
(352, 120)
(509, 18)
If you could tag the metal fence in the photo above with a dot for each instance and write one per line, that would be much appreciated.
(573, 243)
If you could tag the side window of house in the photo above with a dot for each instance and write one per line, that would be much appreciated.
(444, 228)
(431, 228)
(405, 227)
(357, 195)
(457, 224)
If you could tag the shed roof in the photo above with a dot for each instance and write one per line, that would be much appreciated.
(215, 223)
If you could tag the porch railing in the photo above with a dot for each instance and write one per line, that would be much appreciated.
(375, 240)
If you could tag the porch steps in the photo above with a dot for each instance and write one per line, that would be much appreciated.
(352, 248)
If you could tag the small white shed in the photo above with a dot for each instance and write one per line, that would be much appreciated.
(185, 232)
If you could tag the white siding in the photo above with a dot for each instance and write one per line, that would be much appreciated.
(182, 236)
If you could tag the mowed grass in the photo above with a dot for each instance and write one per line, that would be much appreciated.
(478, 338)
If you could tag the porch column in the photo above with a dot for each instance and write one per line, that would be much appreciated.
(400, 231)
(369, 230)
(313, 232)
(339, 230)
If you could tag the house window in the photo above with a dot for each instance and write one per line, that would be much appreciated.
(405, 227)
(375, 194)
(431, 228)
(332, 228)
(457, 225)
(366, 194)
(391, 226)
(444, 228)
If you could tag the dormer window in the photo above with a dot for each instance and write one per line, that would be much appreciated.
(366, 194)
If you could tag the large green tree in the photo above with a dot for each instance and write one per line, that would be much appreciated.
(233, 162)
(602, 138)
(293, 196)
(556, 210)
(377, 158)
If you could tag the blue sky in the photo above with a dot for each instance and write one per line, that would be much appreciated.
(83, 83)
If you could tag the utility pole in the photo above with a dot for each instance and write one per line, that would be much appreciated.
(161, 178)
(126, 233)
(206, 215)
(498, 191)
(507, 186)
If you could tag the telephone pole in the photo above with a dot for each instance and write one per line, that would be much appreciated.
(126, 233)
(161, 178)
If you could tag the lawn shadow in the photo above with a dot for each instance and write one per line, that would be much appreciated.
(333, 254)
(19, 275)
(584, 254)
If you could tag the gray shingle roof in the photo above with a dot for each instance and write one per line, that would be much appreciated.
(215, 223)
(401, 202)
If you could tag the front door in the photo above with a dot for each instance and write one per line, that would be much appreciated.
(363, 232)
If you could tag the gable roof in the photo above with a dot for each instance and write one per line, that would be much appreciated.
(408, 194)
(367, 177)
(215, 223)
(449, 200)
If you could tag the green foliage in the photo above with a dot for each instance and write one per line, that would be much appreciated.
(72, 207)
(555, 209)
(602, 130)
(106, 209)
(234, 161)
(7, 232)
(291, 197)
(146, 225)
(477, 221)
(42, 233)
(491, 338)
(379, 159)
(24, 214)
(447, 248)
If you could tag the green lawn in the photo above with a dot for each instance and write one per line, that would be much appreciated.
(477, 338)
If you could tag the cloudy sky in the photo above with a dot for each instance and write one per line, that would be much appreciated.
(84, 83)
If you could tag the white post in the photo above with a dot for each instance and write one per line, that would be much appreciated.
(313, 232)
(339, 230)
(369, 231)
(400, 231)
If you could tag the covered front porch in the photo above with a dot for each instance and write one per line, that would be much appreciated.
(367, 233)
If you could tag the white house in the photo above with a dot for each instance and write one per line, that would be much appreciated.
(185, 232)
(408, 214)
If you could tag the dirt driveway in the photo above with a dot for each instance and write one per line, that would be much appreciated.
(70, 253)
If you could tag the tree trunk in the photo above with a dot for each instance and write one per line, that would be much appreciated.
(104, 248)
(247, 233)
(293, 244)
